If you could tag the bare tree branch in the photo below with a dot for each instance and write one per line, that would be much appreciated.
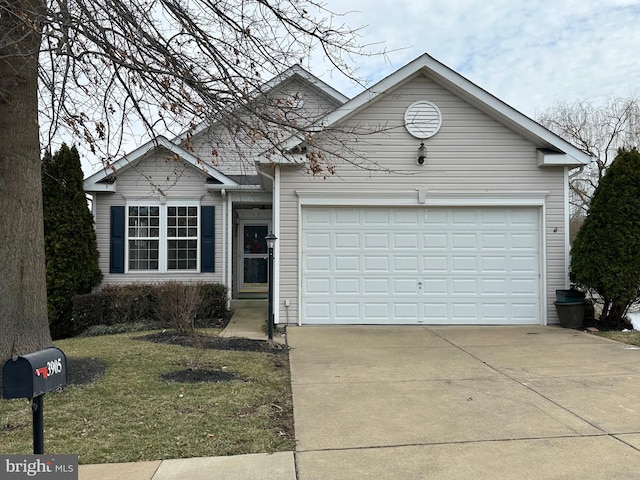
(599, 131)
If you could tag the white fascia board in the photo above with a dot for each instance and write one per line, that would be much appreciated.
(422, 197)
(94, 182)
(458, 84)
(547, 158)
(308, 77)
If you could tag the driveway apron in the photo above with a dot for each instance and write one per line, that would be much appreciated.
(478, 403)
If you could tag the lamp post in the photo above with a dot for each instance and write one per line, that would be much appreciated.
(271, 243)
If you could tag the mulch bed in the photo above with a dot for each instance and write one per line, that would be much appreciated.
(211, 342)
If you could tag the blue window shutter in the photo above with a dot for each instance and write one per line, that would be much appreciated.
(207, 238)
(116, 255)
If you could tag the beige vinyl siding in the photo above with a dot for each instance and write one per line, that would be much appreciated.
(471, 153)
(237, 151)
(159, 172)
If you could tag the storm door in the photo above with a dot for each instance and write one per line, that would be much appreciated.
(254, 256)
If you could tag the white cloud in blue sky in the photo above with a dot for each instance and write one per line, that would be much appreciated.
(530, 54)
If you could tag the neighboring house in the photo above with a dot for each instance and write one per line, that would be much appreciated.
(474, 232)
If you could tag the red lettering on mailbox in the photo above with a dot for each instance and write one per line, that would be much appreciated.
(42, 372)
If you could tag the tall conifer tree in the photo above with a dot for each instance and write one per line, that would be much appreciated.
(70, 240)
(605, 257)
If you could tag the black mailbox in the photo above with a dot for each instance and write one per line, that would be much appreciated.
(34, 374)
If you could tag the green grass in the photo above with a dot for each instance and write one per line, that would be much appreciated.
(130, 414)
(632, 338)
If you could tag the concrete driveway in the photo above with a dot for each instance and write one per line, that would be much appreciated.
(464, 403)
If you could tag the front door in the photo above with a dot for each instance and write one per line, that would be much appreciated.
(254, 256)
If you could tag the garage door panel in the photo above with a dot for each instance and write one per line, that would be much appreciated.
(524, 241)
(435, 264)
(464, 241)
(317, 312)
(436, 286)
(405, 264)
(497, 241)
(524, 264)
(464, 218)
(405, 312)
(524, 286)
(347, 286)
(464, 264)
(376, 241)
(489, 218)
(436, 217)
(434, 241)
(347, 263)
(377, 264)
(377, 217)
(318, 217)
(376, 286)
(403, 286)
(346, 216)
(420, 266)
(493, 286)
(347, 241)
(347, 311)
(320, 286)
(317, 263)
(405, 240)
(375, 311)
(463, 286)
(497, 265)
(520, 312)
(406, 216)
(465, 312)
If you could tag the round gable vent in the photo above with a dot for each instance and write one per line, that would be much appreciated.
(422, 119)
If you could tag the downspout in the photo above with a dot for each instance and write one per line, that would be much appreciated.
(567, 218)
(229, 242)
(275, 209)
(223, 194)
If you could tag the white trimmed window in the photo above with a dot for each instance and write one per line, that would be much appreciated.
(163, 238)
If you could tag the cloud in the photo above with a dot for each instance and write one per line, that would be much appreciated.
(529, 54)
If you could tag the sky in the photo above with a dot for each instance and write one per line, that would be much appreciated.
(531, 54)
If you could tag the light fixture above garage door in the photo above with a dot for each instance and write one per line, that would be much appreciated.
(423, 119)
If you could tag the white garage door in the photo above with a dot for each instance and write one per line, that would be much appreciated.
(420, 266)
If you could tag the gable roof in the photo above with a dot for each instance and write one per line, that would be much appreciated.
(552, 149)
(105, 180)
(292, 73)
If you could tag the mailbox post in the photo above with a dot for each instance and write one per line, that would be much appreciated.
(31, 376)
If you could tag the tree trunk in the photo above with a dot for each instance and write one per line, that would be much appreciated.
(23, 300)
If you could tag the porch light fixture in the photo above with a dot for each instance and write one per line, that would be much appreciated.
(422, 153)
(271, 243)
(271, 240)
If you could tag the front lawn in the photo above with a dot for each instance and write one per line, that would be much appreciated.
(131, 414)
(632, 338)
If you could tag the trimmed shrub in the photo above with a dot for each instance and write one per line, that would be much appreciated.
(214, 302)
(141, 304)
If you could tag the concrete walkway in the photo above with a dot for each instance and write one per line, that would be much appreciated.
(464, 403)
